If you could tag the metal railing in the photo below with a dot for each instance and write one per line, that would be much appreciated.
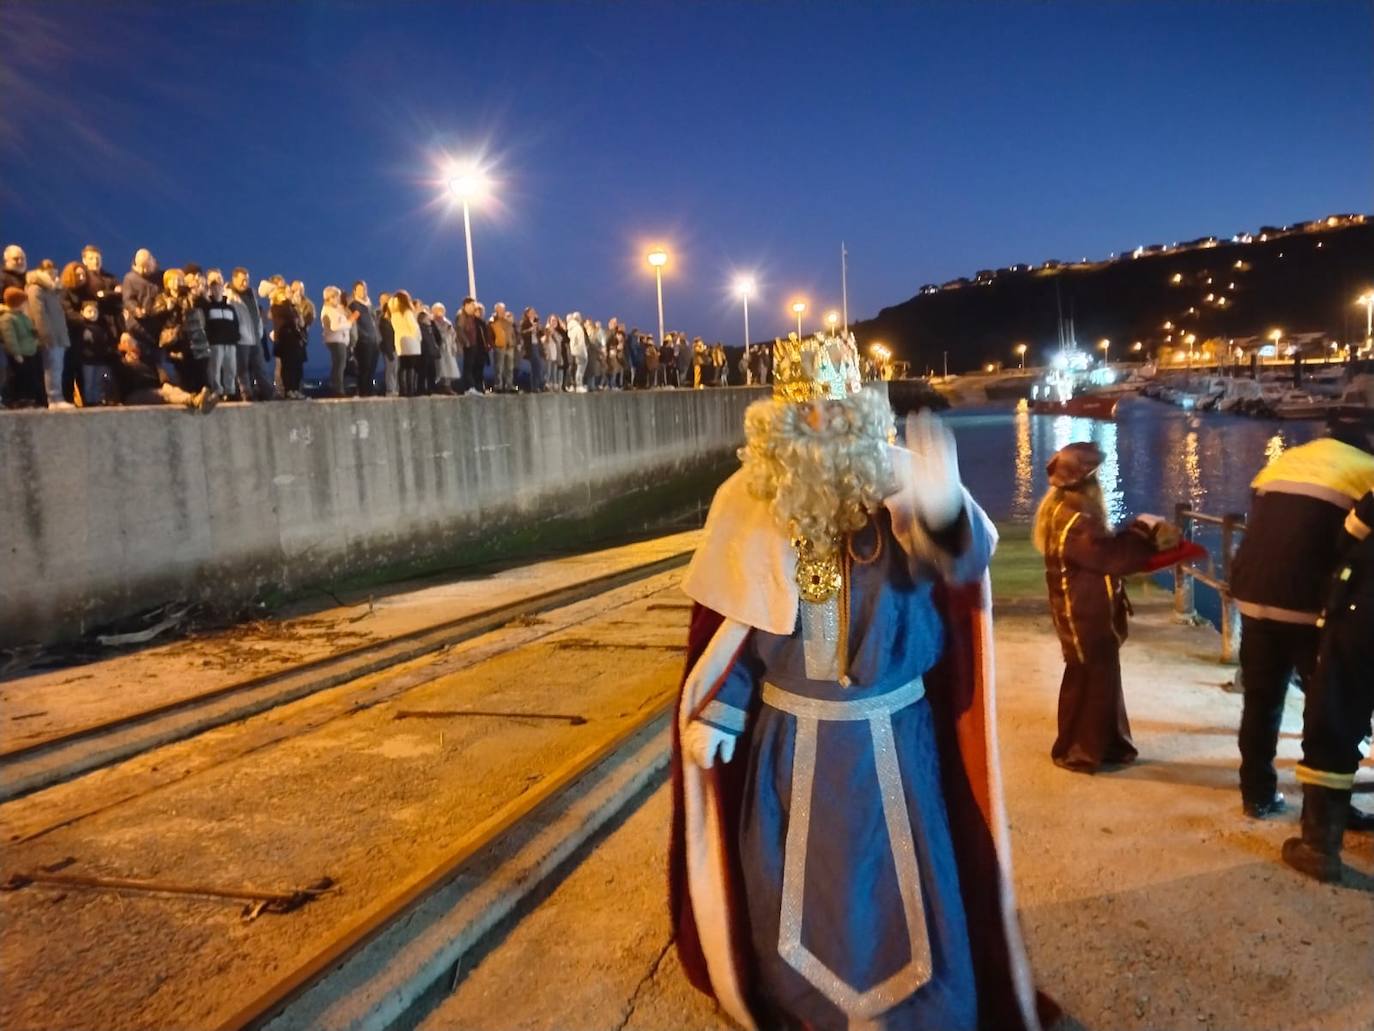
(1232, 526)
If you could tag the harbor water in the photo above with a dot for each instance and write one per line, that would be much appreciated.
(1155, 457)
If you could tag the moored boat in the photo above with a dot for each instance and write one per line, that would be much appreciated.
(1084, 406)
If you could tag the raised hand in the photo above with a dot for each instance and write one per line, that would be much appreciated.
(934, 470)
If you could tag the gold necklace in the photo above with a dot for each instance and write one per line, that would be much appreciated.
(819, 577)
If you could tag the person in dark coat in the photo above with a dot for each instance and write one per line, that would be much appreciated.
(1339, 704)
(471, 338)
(141, 288)
(288, 341)
(369, 339)
(99, 356)
(181, 331)
(1084, 563)
(487, 340)
(105, 290)
(1278, 580)
(429, 351)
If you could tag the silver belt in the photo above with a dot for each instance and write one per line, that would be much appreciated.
(859, 709)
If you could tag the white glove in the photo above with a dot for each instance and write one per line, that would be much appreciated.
(703, 742)
(934, 470)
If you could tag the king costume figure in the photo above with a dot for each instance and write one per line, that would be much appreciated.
(839, 850)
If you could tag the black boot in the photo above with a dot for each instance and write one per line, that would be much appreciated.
(1318, 852)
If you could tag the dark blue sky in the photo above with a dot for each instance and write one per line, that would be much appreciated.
(934, 139)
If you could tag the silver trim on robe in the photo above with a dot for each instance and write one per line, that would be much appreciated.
(860, 1008)
(820, 625)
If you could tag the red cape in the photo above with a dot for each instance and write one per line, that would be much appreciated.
(961, 694)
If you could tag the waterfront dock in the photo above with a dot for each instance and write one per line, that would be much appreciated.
(495, 805)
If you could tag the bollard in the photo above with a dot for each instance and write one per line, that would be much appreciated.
(1183, 583)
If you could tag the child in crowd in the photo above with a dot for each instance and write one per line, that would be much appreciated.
(20, 338)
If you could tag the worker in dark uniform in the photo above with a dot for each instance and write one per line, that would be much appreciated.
(1340, 702)
(1290, 550)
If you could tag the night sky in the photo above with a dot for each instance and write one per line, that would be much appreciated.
(934, 140)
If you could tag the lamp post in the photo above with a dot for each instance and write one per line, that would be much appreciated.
(744, 286)
(1367, 299)
(797, 308)
(1104, 345)
(658, 257)
(832, 319)
(465, 186)
(1021, 353)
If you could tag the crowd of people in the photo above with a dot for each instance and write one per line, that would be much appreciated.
(190, 336)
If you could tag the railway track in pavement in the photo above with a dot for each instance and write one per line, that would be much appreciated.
(435, 797)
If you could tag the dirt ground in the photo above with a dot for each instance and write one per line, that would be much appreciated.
(1147, 900)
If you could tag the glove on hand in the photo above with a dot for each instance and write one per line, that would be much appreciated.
(934, 470)
(1163, 534)
(703, 742)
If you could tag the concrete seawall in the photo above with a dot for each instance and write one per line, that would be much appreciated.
(112, 512)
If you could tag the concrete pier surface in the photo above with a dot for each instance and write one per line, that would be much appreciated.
(1148, 901)
(45, 705)
(365, 783)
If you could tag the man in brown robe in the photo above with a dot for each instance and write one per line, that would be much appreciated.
(1084, 563)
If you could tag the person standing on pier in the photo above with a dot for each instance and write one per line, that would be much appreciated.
(1278, 579)
(1339, 704)
(1084, 563)
(369, 342)
(838, 850)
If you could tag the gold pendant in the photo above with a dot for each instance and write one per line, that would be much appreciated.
(819, 578)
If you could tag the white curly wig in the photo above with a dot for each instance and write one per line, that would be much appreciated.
(823, 467)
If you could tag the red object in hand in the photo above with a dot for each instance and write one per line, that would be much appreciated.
(1184, 551)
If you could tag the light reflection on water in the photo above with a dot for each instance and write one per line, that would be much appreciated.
(1155, 456)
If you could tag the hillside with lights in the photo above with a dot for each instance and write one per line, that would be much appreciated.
(1303, 280)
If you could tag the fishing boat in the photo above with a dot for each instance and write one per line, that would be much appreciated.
(1061, 391)
(1084, 406)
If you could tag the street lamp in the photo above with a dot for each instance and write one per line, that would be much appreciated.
(1367, 299)
(466, 185)
(1021, 353)
(744, 287)
(1104, 345)
(832, 319)
(658, 257)
(797, 308)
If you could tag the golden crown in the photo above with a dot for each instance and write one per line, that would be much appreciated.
(814, 369)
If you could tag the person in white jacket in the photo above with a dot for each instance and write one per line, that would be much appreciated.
(336, 322)
(407, 329)
(450, 372)
(577, 351)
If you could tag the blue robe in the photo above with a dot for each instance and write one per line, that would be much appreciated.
(850, 879)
